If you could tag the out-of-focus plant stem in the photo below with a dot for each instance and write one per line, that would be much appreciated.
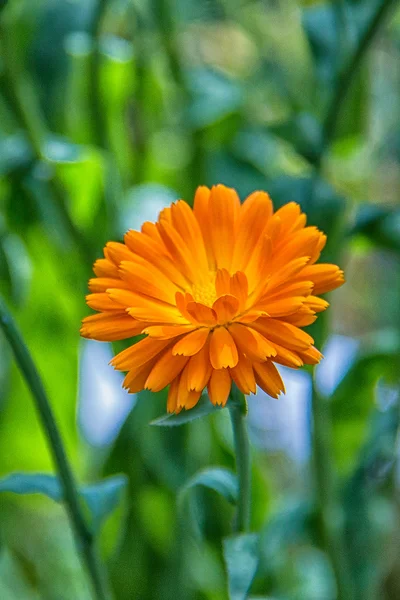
(99, 126)
(167, 31)
(346, 76)
(238, 414)
(84, 536)
(29, 120)
(330, 511)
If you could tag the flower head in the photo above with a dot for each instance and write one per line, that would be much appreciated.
(220, 292)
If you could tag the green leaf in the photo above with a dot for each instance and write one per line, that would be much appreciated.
(218, 479)
(100, 498)
(241, 558)
(202, 409)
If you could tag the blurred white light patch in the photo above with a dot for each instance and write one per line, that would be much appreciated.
(339, 354)
(103, 405)
(284, 424)
(144, 203)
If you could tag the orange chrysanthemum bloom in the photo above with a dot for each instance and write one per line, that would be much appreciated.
(220, 292)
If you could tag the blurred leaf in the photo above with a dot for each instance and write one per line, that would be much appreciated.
(215, 97)
(220, 480)
(15, 154)
(381, 225)
(241, 553)
(202, 409)
(15, 582)
(101, 498)
(15, 267)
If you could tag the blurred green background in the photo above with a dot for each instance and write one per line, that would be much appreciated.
(111, 109)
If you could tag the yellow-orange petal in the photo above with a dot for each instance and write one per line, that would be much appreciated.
(311, 356)
(101, 284)
(268, 378)
(201, 313)
(167, 332)
(105, 268)
(165, 370)
(187, 398)
(108, 327)
(136, 377)
(283, 333)
(191, 343)
(225, 307)
(243, 375)
(172, 401)
(255, 211)
(102, 302)
(251, 343)
(223, 351)
(219, 387)
(224, 207)
(199, 369)
(326, 277)
(138, 354)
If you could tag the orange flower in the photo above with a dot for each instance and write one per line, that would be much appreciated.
(220, 292)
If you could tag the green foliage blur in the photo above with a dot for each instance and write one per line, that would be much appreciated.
(110, 109)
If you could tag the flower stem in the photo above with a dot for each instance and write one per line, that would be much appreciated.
(347, 74)
(99, 127)
(238, 414)
(84, 536)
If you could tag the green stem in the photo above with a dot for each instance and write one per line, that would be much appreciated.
(346, 76)
(238, 414)
(329, 509)
(97, 109)
(166, 25)
(84, 536)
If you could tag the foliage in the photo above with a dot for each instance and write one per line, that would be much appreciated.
(108, 111)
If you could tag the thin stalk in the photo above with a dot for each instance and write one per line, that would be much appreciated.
(99, 126)
(346, 76)
(167, 30)
(29, 119)
(238, 414)
(84, 536)
(331, 515)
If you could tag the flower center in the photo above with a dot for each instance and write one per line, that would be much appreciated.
(204, 291)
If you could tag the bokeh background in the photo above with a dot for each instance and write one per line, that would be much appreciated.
(111, 109)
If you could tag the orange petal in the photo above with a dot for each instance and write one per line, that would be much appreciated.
(167, 332)
(191, 343)
(243, 375)
(226, 307)
(268, 378)
(117, 252)
(312, 356)
(282, 307)
(165, 370)
(224, 207)
(326, 277)
(188, 228)
(240, 288)
(223, 351)
(105, 268)
(284, 334)
(199, 369)
(178, 249)
(219, 387)
(146, 279)
(201, 313)
(254, 214)
(101, 284)
(109, 327)
(138, 354)
(187, 398)
(172, 402)
(102, 302)
(148, 249)
(222, 282)
(287, 357)
(200, 211)
(135, 379)
(251, 342)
